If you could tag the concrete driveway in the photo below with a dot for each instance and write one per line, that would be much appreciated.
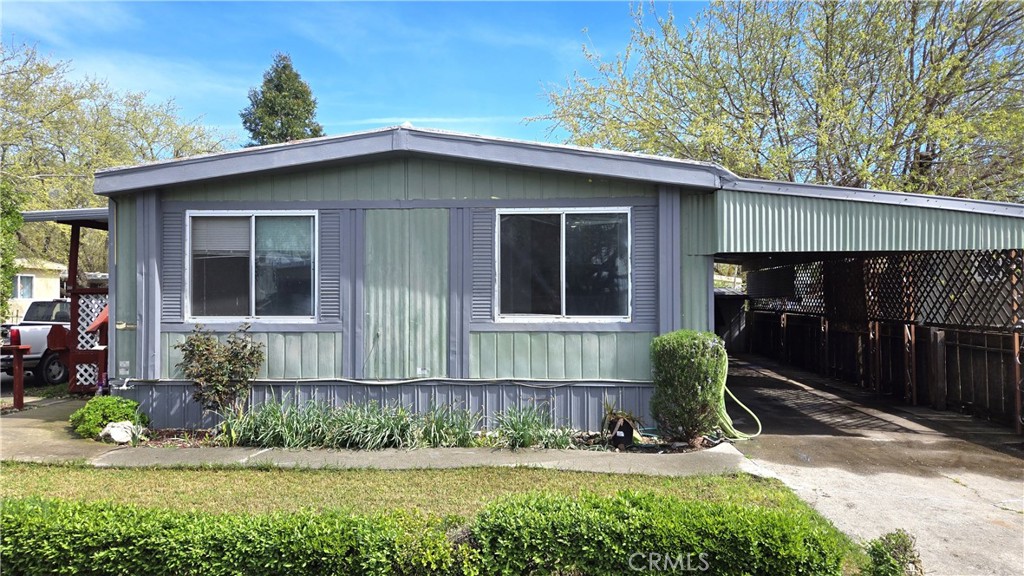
(955, 483)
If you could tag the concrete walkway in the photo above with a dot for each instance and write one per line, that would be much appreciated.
(955, 483)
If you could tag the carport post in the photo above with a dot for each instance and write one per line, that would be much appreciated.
(1018, 381)
(937, 368)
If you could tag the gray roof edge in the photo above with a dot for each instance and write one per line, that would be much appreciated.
(561, 157)
(868, 195)
(67, 215)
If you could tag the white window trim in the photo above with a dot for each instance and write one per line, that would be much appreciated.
(17, 286)
(560, 318)
(251, 214)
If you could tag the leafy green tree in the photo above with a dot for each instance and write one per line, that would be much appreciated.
(911, 96)
(55, 132)
(10, 221)
(283, 108)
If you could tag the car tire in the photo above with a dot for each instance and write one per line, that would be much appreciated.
(51, 370)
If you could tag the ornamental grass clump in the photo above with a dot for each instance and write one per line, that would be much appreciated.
(446, 427)
(689, 370)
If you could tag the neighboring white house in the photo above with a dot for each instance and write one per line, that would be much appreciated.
(36, 280)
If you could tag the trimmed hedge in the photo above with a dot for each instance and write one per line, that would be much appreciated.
(689, 369)
(56, 537)
(545, 533)
(535, 533)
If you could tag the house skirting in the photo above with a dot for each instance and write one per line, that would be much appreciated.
(575, 404)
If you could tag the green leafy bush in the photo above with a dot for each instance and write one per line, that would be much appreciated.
(89, 420)
(220, 371)
(894, 554)
(543, 533)
(533, 533)
(55, 537)
(689, 371)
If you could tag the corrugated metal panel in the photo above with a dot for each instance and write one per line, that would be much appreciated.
(578, 405)
(699, 223)
(752, 222)
(560, 355)
(697, 292)
(645, 264)
(126, 287)
(292, 355)
(406, 293)
(408, 179)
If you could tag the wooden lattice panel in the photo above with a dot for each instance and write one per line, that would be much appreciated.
(965, 289)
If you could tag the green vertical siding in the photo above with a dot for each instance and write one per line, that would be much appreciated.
(291, 355)
(699, 223)
(405, 327)
(696, 291)
(408, 179)
(560, 355)
(699, 228)
(126, 287)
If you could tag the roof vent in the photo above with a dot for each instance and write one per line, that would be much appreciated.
(406, 124)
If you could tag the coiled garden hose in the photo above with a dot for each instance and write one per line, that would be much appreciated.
(725, 422)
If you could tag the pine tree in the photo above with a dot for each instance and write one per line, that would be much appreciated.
(283, 108)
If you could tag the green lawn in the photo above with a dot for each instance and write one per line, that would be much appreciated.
(458, 492)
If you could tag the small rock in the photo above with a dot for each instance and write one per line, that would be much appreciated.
(119, 432)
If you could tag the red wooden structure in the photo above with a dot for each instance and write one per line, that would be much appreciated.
(82, 350)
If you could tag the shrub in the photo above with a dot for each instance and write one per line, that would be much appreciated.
(220, 371)
(689, 371)
(543, 533)
(894, 554)
(55, 537)
(89, 420)
(532, 533)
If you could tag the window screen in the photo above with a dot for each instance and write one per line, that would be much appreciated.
(252, 265)
(564, 264)
(220, 266)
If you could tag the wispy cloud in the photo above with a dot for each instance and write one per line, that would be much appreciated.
(54, 22)
(162, 77)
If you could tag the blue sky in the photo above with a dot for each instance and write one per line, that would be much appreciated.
(466, 66)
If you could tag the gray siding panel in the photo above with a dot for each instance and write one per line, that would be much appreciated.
(645, 264)
(577, 405)
(331, 254)
(172, 264)
(482, 236)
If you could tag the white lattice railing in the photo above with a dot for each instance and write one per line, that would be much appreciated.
(90, 305)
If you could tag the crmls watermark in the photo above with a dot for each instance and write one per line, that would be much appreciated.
(658, 562)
